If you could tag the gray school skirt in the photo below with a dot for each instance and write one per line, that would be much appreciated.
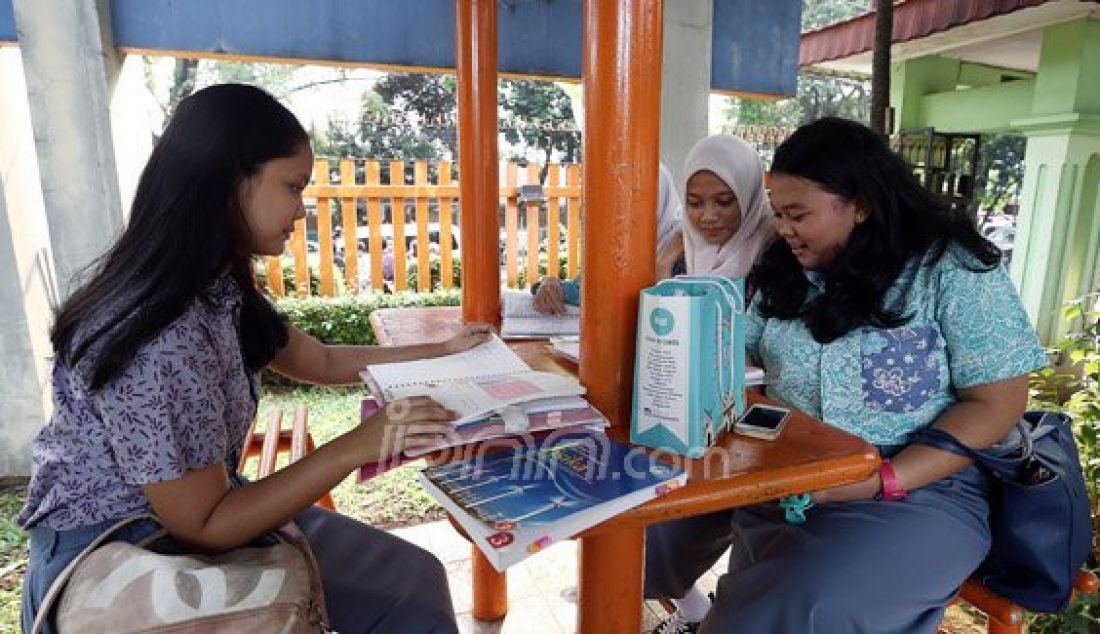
(374, 582)
(866, 566)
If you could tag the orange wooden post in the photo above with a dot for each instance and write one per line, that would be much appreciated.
(573, 228)
(446, 264)
(605, 561)
(476, 62)
(553, 234)
(622, 47)
(397, 216)
(511, 228)
(324, 228)
(269, 455)
(490, 588)
(301, 266)
(275, 275)
(350, 224)
(423, 263)
(532, 213)
(374, 226)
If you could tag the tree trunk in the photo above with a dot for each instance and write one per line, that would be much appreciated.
(183, 82)
(880, 65)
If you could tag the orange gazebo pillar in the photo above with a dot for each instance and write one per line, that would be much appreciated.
(622, 99)
(476, 62)
(478, 183)
(622, 94)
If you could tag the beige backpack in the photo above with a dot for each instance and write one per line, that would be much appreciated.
(122, 587)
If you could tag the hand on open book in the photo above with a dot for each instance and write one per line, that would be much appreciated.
(402, 424)
(550, 298)
(472, 335)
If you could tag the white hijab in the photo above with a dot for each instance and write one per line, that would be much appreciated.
(740, 167)
(669, 211)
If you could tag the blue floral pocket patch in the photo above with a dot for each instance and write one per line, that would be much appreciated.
(901, 367)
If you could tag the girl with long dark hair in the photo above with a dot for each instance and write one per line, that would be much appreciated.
(881, 311)
(156, 378)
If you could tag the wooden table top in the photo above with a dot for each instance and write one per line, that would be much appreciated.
(738, 470)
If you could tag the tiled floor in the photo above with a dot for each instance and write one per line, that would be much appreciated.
(542, 590)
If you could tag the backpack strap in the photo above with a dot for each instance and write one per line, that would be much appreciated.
(992, 460)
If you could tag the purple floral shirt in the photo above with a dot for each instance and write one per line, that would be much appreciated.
(184, 402)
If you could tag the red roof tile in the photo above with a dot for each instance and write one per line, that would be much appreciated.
(912, 19)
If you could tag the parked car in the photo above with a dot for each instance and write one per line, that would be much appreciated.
(1004, 238)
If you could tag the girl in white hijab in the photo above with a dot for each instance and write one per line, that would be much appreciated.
(669, 212)
(728, 217)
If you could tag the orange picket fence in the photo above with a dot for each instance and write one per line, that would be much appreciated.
(369, 223)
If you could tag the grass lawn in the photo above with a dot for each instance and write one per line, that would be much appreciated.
(13, 558)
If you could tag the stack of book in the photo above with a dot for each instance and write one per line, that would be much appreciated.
(549, 471)
(492, 390)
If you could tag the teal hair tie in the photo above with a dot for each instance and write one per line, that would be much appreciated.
(795, 507)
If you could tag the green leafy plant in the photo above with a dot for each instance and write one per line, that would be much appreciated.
(435, 271)
(544, 266)
(346, 320)
(290, 281)
(1072, 385)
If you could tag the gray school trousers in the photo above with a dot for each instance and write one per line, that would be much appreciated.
(867, 566)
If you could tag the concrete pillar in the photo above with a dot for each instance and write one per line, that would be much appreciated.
(911, 80)
(71, 66)
(25, 280)
(685, 87)
(21, 386)
(1055, 256)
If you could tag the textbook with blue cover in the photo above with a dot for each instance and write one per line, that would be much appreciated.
(518, 501)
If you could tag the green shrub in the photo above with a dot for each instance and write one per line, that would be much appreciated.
(1073, 386)
(290, 282)
(435, 272)
(346, 320)
(544, 265)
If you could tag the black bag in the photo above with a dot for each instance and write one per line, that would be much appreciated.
(1039, 511)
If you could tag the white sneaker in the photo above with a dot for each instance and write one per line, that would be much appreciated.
(675, 624)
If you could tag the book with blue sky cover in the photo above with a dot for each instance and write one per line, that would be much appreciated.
(531, 494)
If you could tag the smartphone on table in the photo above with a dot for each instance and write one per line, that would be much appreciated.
(762, 421)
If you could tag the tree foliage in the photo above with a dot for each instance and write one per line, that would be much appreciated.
(539, 115)
(410, 116)
(820, 13)
(818, 96)
(1000, 170)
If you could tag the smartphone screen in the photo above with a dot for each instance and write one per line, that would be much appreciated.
(763, 418)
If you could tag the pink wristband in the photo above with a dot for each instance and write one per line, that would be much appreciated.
(891, 490)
